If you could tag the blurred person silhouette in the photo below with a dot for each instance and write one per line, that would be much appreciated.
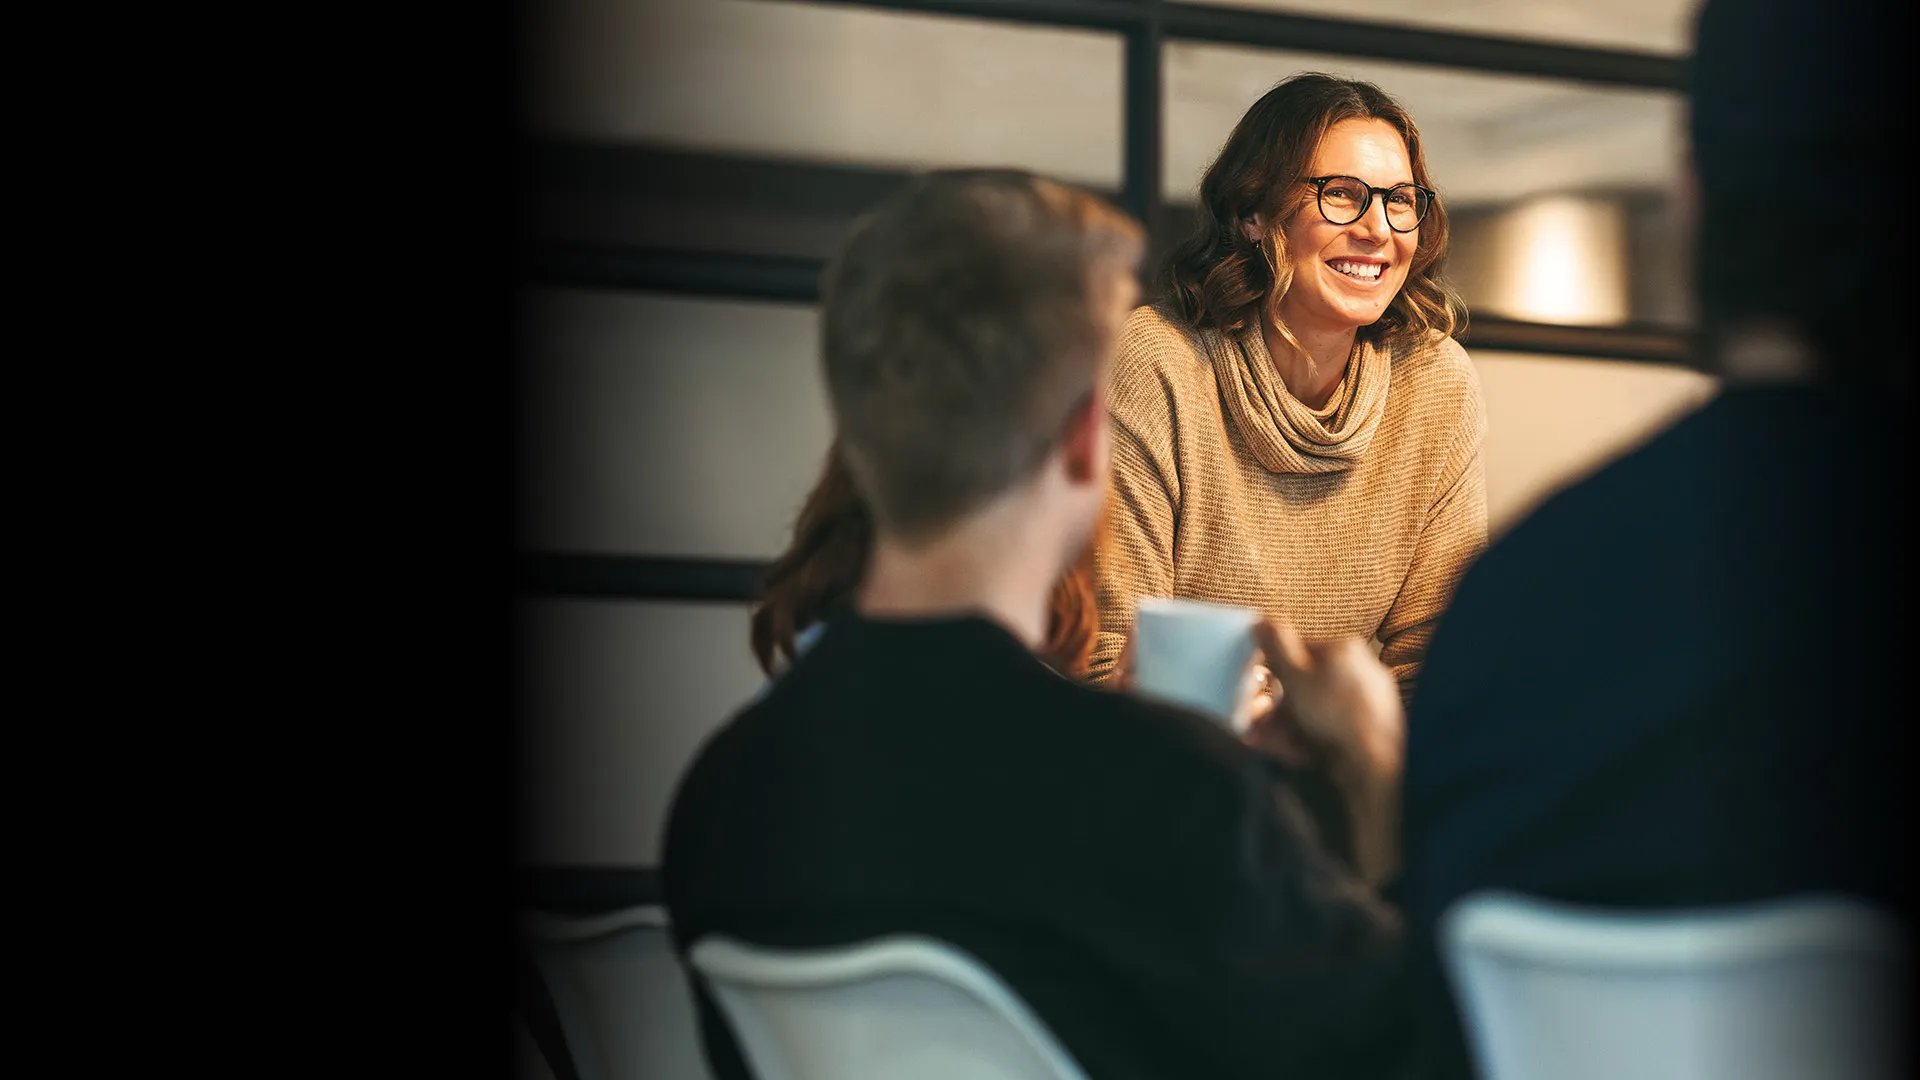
(1151, 885)
(1296, 429)
(1677, 682)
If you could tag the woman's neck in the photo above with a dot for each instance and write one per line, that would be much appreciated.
(1313, 370)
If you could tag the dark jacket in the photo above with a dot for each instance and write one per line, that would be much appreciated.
(1674, 683)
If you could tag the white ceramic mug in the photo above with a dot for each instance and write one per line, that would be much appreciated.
(1193, 653)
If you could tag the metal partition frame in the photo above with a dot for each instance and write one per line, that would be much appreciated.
(1144, 25)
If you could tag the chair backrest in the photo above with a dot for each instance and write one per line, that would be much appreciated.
(1804, 988)
(625, 1008)
(892, 1008)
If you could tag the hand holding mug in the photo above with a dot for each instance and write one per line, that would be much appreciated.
(1337, 704)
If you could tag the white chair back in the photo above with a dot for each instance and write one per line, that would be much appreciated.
(1806, 988)
(897, 1008)
(625, 1008)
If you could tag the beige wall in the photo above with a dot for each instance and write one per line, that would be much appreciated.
(1552, 419)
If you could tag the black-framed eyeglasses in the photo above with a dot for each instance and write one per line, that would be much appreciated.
(1345, 199)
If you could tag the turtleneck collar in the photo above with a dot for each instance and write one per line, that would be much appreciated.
(1283, 433)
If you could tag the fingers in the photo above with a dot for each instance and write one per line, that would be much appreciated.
(1279, 735)
(1253, 709)
(1316, 657)
(1255, 701)
(1355, 662)
(1122, 677)
(1285, 651)
(1261, 706)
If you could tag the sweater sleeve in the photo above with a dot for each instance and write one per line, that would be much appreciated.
(1455, 533)
(1134, 557)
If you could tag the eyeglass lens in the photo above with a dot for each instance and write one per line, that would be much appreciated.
(1343, 199)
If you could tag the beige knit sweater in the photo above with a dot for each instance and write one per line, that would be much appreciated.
(1354, 519)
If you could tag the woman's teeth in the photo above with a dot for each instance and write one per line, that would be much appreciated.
(1364, 270)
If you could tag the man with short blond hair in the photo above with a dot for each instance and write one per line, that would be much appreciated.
(1149, 885)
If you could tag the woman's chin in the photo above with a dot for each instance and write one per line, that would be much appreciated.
(1358, 318)
(1338, 316)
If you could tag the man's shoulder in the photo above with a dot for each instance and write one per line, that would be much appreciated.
(1029, 703)
(1041, 691)
(1603, 549)
(1158, 728)
(1654, 478)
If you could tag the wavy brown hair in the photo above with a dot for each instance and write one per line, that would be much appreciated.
(1219, 279)
(822, 566)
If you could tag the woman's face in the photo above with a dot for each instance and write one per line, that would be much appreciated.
(1344, 276)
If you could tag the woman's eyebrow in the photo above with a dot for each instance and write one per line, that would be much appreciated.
(1364, 180)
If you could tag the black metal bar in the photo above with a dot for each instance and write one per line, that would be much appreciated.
(1641, 344)
(1080, 14)
(1140, 185)
(1418, 45)
(678, 175)
(752, 277)
(1339, 37)
(746, 277)
(626, 577)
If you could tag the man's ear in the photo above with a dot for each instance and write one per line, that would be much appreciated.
(1084, 446)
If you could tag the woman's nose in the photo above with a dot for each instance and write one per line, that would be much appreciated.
(1373, 223)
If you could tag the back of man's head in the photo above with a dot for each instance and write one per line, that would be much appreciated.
(964, 322)
(1797, 131)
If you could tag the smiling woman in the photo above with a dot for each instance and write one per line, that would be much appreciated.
(1295, 428)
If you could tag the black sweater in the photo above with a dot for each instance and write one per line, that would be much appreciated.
(1156, 892)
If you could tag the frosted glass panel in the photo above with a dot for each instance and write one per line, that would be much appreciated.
(824, 83)
(1655, 26)
(664, 425)
(1490, 139)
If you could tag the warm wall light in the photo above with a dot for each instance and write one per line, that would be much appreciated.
(1562, 260)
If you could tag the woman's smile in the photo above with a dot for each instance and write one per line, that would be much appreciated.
(1363, 270)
